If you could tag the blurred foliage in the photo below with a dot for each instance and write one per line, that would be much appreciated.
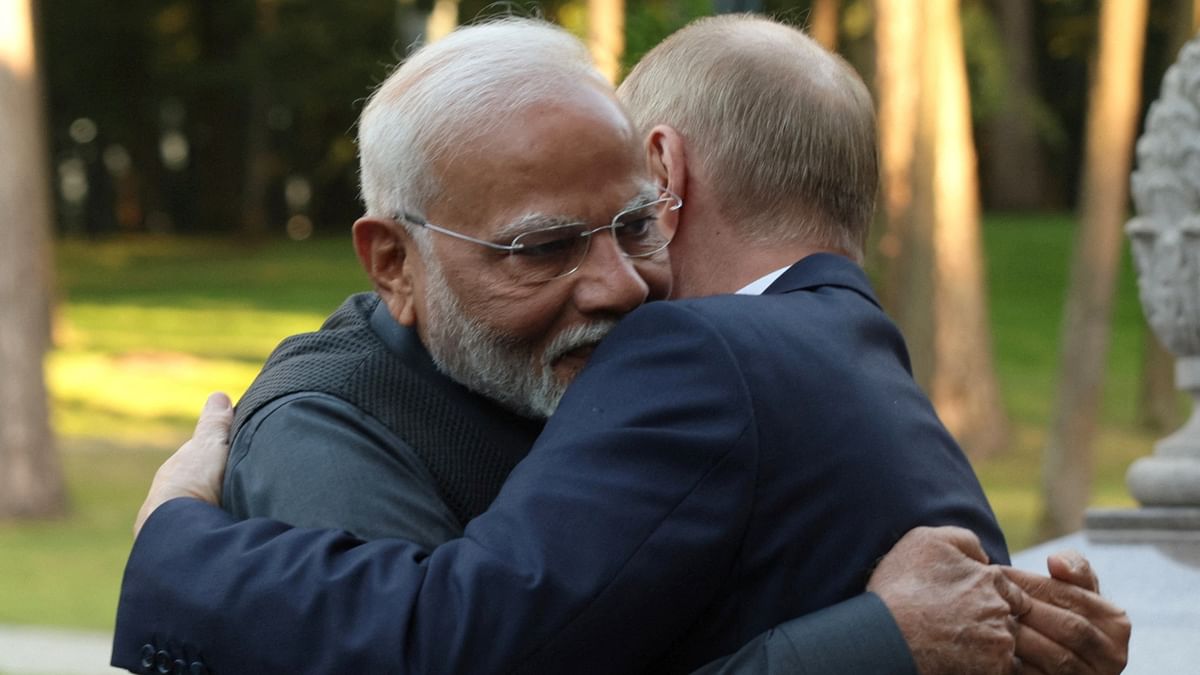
(185, 96)
(648, 22)
(141, 69)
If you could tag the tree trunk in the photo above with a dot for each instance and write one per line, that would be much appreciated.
(896, 65)
(411, 23)
(1111, 124)
(258, 152)
(947, 325)
(442, 20)
(1184, 24)
(30, 477)
(1014, 164)
(606, 35)
(216, 131)
(823, 23)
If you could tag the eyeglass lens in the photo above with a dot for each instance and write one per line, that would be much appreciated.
(558, 251)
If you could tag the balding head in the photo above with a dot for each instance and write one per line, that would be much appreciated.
(781, 131)
(452, 92)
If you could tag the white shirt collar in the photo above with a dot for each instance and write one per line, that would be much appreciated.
(761, 284)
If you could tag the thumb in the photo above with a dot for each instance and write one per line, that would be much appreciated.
(1070, 566)
(215, 418)
(964, 540)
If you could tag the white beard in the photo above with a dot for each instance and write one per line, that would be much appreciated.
(501, 367)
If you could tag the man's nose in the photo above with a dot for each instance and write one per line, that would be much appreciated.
(607, 282)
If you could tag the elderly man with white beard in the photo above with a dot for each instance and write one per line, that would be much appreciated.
(404, 414)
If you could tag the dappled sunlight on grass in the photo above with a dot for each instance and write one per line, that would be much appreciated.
(67, 572)
(230, 332)
(117, 395)
(146, 329)
(152, 325)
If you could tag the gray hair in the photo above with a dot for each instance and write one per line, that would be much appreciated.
(784, 130)
(452, 91)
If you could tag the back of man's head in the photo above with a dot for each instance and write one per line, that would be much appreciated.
(782, 131)
(451, 93)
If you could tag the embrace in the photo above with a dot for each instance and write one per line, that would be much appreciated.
(622, 400)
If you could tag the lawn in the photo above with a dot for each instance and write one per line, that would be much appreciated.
(146, 328)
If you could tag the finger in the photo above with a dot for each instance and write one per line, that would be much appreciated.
(1071, 632)
(962, 539)
(1019, 602)
(215, 418)
(1039, 654)
(1070, 566)
(1062, 594)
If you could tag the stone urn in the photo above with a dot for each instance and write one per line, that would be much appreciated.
(1165, 237)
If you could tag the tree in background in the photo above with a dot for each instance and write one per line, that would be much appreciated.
(896, 94)
(1111, 124)
(1014, 162)
(259, 171)
(823, 23)
(939, 300)
(442, 20)
(606, 35)
(30, 478)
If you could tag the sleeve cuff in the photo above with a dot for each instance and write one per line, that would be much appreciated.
(858, 635)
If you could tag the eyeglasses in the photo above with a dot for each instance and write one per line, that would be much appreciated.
(548, 253)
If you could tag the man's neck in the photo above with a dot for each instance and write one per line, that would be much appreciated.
(703, 273)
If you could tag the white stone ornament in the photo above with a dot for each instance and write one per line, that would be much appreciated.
(1165, 236)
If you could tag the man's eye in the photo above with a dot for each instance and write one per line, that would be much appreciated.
(540, 248)
(637, 227)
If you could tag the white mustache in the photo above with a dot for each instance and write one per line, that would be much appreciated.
(576, 337)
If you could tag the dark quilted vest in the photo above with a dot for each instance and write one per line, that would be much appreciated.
(346, 359)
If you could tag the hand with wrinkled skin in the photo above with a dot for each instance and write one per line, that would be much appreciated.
(954, 610)
(1070, 629)
(197, 468)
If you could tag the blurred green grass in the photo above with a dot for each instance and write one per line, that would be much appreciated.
(144, 330)
(148, 327)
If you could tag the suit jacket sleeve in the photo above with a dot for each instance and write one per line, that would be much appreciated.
(855, 636)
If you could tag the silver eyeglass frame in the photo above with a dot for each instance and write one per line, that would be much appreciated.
(674, 201)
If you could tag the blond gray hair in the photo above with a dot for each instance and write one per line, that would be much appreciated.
(783, 130)
(453, 91)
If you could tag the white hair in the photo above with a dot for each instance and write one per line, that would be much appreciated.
(451, 92)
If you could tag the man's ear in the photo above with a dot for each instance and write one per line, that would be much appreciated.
(666, 157)
(389, 255)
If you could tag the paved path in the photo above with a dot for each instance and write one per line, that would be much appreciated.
(54, 651)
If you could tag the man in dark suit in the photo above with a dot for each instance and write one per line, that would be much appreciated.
(721, 465)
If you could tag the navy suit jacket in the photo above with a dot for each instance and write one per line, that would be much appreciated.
(722, 465)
